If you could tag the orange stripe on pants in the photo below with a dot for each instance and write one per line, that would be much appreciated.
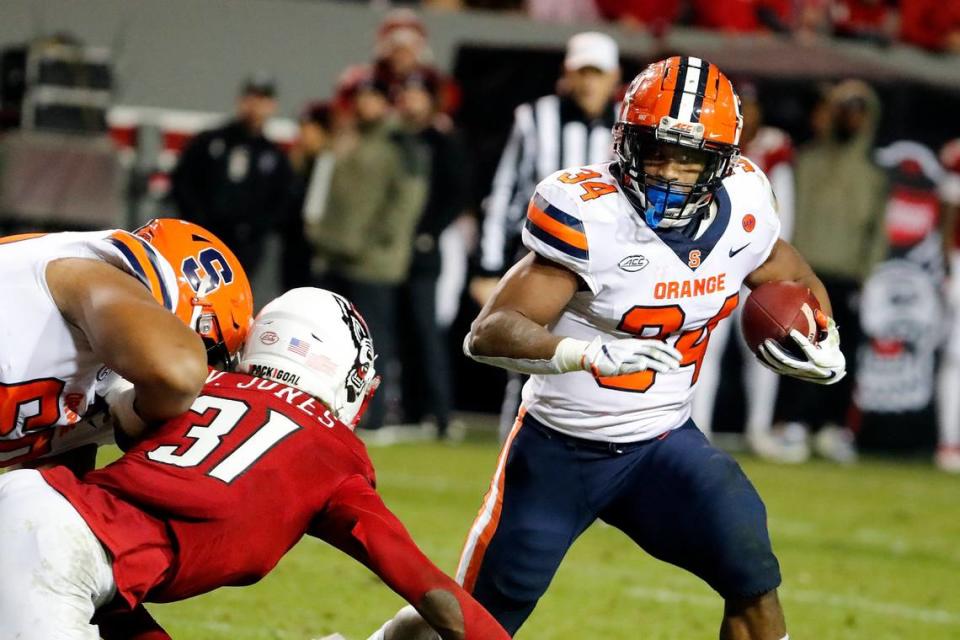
(485, 525)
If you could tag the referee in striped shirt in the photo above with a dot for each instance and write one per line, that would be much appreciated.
(570, 129)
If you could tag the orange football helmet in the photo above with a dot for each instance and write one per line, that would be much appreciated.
(215, 297)
(681, 109)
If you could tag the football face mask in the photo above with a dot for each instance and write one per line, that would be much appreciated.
(673, 181)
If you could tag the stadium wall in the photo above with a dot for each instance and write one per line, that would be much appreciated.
(184, 54)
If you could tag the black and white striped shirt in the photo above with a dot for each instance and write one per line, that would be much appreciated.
(548, 134)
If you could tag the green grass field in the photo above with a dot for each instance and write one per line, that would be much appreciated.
(871, 552)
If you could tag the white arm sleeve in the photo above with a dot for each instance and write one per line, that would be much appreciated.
(569, 356)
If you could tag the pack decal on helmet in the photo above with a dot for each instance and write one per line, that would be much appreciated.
(275, 373)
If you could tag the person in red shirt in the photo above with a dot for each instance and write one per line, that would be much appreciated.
(743, 16)
(931, 24)
(218, 495)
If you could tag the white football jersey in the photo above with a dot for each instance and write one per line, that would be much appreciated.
(49, 374)
(640, 283)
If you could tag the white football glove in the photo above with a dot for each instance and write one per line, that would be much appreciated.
(119, 397)
(824, 363)
(628, 355)
(613, 358)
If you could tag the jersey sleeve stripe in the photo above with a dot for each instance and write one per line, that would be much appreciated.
(154, 264)
(556, 228)
(557, 214)
(20, 237)
(143, 264)
(555, 242)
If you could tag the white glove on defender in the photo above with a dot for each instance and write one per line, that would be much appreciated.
(613, 358)
(825, 363)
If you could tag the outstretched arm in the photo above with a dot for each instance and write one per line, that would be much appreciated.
(358, 523)
(132, 334)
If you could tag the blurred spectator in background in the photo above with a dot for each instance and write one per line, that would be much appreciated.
(402, 49)
(841, 195)
(656, 16)
(427, 384)
(744, 16)
(931, 24)
(564, 11)
(232, 180)
(364, 239)
(948, 408)
(871, 20)
(570, 129)
(771, 150)
(495, 5)
(312, 159)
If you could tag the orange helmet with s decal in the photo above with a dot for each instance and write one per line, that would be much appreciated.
(683, 109)
(215, 296)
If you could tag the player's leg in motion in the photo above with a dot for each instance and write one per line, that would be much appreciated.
(533, 512)
(53, 571)
(691, 505)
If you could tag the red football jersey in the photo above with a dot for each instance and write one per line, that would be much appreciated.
(217, 496)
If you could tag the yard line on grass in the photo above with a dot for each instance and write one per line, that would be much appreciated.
(889, 609)
(810, 596)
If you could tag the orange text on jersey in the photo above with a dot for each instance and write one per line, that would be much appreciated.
(689, 288)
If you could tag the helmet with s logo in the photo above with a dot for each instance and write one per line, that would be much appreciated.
(215, 297)
(680, 109)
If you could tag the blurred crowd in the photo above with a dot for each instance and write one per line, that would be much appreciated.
(929, 24)
(379, 172)
(360, 200)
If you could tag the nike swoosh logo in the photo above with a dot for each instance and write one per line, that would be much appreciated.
(734, 252)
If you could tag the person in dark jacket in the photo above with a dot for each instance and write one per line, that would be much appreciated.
(312, 159)
(233, 180)
(363, 241)
(427, 383)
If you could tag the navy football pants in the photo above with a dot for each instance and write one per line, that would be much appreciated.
(677, 497)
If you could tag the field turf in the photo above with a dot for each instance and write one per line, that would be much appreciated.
(871, 551)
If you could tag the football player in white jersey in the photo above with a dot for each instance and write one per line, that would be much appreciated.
(91, 319)
(632, 265)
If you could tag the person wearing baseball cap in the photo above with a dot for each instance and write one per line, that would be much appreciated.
(571, 127)
(232, 179)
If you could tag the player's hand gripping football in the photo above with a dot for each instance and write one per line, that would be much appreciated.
(824, 363)
(628, 355)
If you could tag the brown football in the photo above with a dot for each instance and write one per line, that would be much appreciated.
(773, 309)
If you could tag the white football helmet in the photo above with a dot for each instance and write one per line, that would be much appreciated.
(316, 341)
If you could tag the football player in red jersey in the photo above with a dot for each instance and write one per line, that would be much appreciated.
(218, 495)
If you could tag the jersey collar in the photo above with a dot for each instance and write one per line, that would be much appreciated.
(684, 245)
